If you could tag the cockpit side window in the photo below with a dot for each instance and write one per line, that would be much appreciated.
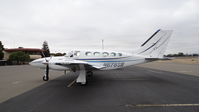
(70, 54)
(77, 53)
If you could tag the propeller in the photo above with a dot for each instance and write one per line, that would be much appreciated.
(46, 75)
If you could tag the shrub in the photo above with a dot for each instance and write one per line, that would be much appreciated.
(19, 57)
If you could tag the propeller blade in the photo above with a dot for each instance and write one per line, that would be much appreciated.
(44, 55)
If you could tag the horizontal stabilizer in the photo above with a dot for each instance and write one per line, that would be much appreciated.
(155, 59)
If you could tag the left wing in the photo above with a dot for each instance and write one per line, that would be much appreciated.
(72, 63)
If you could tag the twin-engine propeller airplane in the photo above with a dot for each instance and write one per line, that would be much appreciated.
(84, 62)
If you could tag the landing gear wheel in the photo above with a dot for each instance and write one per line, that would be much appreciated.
(45, 78)
(89, 73)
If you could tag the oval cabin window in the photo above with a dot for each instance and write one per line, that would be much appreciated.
(96, 53)
(119, 54)
(105, 54)
(88, 53)
(113, 54)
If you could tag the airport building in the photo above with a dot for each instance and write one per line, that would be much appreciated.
(34, 53)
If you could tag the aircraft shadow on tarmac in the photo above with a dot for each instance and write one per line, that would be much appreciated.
(110, 91)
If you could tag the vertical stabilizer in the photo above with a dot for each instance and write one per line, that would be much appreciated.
(155, 46)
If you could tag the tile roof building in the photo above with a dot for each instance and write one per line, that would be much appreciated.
(34, 53)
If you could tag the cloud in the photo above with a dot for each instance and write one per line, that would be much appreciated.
(123, 24)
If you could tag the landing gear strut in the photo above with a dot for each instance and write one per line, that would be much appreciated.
(45, 77)
(82, 75)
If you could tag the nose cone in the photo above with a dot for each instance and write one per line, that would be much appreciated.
(37, 63)
(33, 63)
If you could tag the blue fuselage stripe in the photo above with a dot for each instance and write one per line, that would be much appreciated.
(112, 61)
(103, 58)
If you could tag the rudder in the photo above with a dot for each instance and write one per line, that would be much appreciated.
(156, 45)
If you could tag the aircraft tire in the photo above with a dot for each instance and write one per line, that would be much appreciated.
(89, 73)
(45, 78)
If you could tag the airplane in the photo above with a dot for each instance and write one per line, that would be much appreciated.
(85, 62)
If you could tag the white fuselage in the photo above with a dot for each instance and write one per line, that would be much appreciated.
(103, 60)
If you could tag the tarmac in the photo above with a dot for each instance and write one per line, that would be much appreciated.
(152, 87)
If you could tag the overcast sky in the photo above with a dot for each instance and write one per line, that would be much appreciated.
(82, 24)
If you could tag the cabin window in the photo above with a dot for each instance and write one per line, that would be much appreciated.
(105, 54)
(96, 53)
(70, 54)
(119, 54)
(77, 53)
(113, 54)
(88, 53)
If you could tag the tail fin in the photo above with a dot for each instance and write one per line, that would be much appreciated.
(156, 45)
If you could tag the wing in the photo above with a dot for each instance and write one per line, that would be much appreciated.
(75, 63)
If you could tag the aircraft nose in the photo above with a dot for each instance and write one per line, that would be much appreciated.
(36, 62)
(32, 63)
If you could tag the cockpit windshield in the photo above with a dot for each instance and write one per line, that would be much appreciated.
(72, 54)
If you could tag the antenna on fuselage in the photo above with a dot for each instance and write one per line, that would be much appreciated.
(102, 44)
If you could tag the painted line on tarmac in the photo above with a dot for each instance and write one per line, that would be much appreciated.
(16, 82)
(70, 85)
(159, 72)
(130, 79)
(163, 105)
(183, 71)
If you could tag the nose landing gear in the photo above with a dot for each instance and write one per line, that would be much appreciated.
(46, 77)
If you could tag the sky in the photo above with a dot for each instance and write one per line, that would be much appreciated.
(82, 24)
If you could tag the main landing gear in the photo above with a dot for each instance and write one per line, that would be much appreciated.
(81, 79)
(89, 73)
(82, 75)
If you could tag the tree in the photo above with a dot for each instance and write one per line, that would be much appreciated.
(195, 54)
(45, 48)
(1, 51)
(19, 57)
(1, 55)
(180, 54)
